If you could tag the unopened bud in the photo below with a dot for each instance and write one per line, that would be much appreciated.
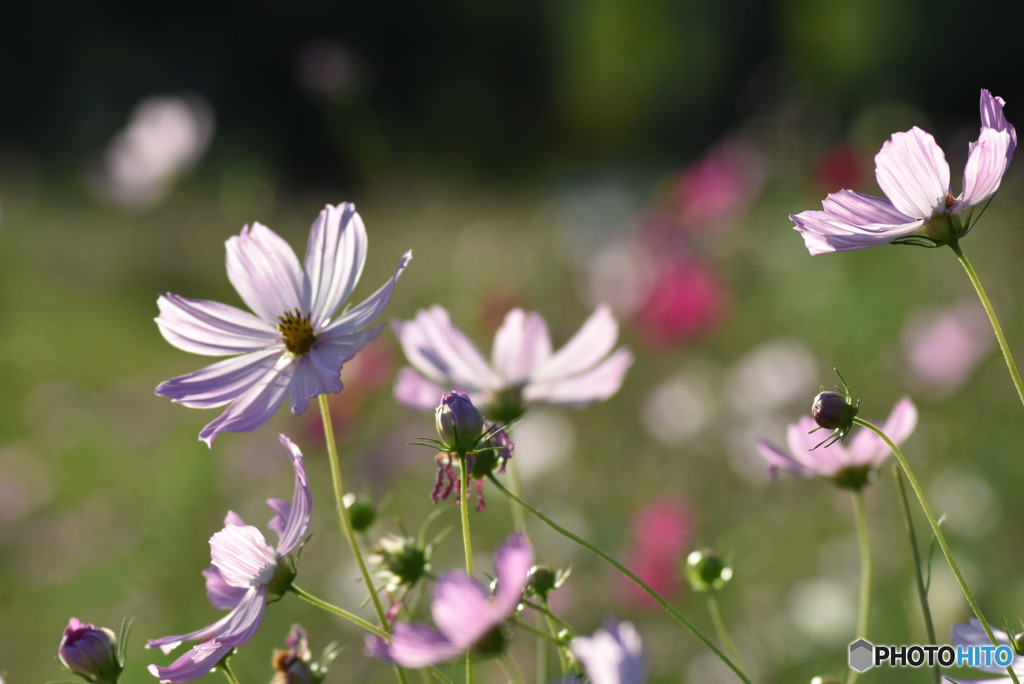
(832, 410)
(459, 423)
(90, 652)
(705, 570)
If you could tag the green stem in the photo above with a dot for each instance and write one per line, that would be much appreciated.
(922, 590)
(937, 531)
(720, 627)
(466, 543)
(628, 573)
(346, 523)
(515, 484)
(1007, 356)
(226, 669)
(563, 656)
(864, 540)
(340, 612)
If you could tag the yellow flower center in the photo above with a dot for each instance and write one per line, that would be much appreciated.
(297, 332)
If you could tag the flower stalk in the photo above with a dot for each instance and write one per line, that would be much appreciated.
(864, 541)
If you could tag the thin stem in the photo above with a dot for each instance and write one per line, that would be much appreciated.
(346, 523)
(467, 544)
(515, 484)
(922, 590)
(628, 573)
(512, 672)
(563, 657)
(720, 627)
(864, 540)
(1007, 356)
(226, 669)
(340, 612)
(937, 531)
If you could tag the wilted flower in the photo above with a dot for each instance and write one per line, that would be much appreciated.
(291, 346)
(913, 173)
(245, 570)
(614, 655)
(491, 452)
(466, 616)
(90, 652)
(523, 369)
(847, 465)
(973, 634)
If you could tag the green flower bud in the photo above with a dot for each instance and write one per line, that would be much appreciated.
(705, 570)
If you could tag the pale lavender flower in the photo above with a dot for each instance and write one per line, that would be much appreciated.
(912, 171)
(90, 652)
(973, 634)
(291, 346)
(614, 655)
(245, 570)
(847, 465)
(464, 612)
(523, 369)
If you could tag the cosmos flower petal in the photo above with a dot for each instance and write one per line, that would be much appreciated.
(521, 344)
(221, 594)
(593, 385)
(222, 382)
(242, 555)
(912, 171)
(985, 167)
(335, 256)
(825, 232)
(169, 643)
(461, 609)
(779, 459)
(254, 407)
(614, 655)
(203, 327)
(512, 562)
(364, 312)
(319, 371)
(419, 645)
(973, 634)
(416, 392)
(265, 272)
(296, 520)
(443, 353)
(583, 351)
(196, 663)
(803, 438)
(992, 117)
(863, 210)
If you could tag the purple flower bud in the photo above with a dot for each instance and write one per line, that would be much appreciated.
(832, 411)
(459, 423)
(90, 652)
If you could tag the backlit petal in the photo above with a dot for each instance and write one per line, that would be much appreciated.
(335, 257)
(264, 271)
(912, 171)
(203, 327)
(521, 344)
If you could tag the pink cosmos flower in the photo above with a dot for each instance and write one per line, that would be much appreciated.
(291, 346)
(245, 569)
(614, 655)
(464, 612)
(847, 465)
(913, 173)
(523, 369)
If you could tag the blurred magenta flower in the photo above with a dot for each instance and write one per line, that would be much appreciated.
(523, 369)
(847, 465)
(614, 655)
(90, 652)
(685, 300)
(912, 171)
(942, 349)
(291, 346)
(245, 570)
(714, 191)
(661, 531)
(466, 616)
(973, 634)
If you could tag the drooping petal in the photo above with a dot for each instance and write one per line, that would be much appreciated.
(461, 609)
(594, 385)
(265, 272)
(825, 232)
(294, 523)
(169, 643)
(335, 257)
(442, 353)
(912, 171)
(224, 381)
(242, 555)
(985, 167)
(512, 563)
(419, 645)
(221, 594)
(521, 344)
(366, 311)
(196, 663)
(203, 327)
(254, 407)
(416, 392)
(778, 459)
(863, 210)
(584, 350)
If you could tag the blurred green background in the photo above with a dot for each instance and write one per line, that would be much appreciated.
(549, 155)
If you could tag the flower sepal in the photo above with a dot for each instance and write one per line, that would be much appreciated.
(284, 575)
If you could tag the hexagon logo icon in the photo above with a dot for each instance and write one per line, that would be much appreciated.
(862, 655)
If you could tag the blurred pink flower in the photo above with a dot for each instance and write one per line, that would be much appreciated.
(942, 349)
(715, 190)
(661, 532)
(685, 300)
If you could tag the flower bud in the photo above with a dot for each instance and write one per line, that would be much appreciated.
(459, 423)
(360, 513)
(403, 560)
(90, 652)
(705, 570)
(832, 411)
